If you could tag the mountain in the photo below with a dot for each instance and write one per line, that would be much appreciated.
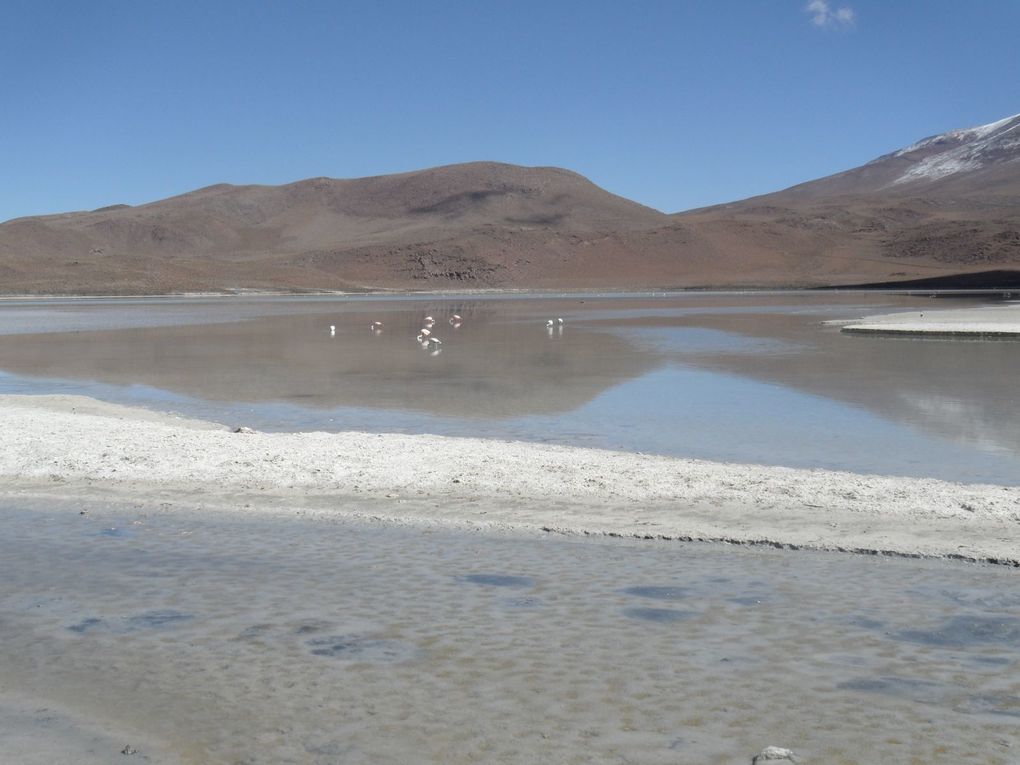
(961, 163)
(944, 208)
(481, 224)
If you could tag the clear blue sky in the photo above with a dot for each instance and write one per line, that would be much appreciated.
(674, 104)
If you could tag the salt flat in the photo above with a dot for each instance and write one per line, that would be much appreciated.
(987, 321)
(70, 446)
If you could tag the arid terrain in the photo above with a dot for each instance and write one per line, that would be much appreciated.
(943, 212)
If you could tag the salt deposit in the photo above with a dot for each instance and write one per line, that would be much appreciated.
(71, 446)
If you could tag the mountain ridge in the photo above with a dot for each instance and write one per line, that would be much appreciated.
(947, 204)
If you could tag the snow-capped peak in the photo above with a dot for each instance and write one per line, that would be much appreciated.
(964, 149)
(960, 136)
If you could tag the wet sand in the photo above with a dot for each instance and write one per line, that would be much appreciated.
(77, 448)
(219, 639)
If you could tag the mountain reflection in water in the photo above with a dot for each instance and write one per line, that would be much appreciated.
(486, 368)
(748, 377)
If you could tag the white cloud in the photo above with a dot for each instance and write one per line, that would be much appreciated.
(824, 15)
(845, 15)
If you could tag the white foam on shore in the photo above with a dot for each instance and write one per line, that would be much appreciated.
(77, 447)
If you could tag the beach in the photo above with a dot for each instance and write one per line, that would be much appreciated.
(75, 447)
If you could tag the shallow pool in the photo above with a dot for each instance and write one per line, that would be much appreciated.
(254, 640)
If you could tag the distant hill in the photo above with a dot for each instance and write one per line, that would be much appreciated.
(947, 205)
(482, 224)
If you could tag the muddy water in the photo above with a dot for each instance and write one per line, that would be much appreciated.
(749, 378)
(218, 640)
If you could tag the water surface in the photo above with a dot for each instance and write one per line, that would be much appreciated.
(253, 640)
(753, 377)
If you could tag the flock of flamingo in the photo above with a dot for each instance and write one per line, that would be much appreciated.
(429, 341)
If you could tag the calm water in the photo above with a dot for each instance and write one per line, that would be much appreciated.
(253, 640)
(748, 377)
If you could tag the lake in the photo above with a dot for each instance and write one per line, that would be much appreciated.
(744, 377)
(153, 628)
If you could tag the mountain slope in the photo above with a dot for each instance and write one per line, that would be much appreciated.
(947, 204)
(967, 162)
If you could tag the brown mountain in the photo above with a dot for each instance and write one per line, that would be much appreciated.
(474, 225)
(945, 206)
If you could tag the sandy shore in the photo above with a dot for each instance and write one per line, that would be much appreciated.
(74, 447)
(986, 321)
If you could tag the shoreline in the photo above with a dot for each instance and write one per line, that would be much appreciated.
(124, 453)
(507, 291)
(993, 322)
(441, 293)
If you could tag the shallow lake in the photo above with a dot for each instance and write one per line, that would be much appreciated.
(746, 377)
(205, 639)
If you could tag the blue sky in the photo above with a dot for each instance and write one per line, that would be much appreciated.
(674, 104)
